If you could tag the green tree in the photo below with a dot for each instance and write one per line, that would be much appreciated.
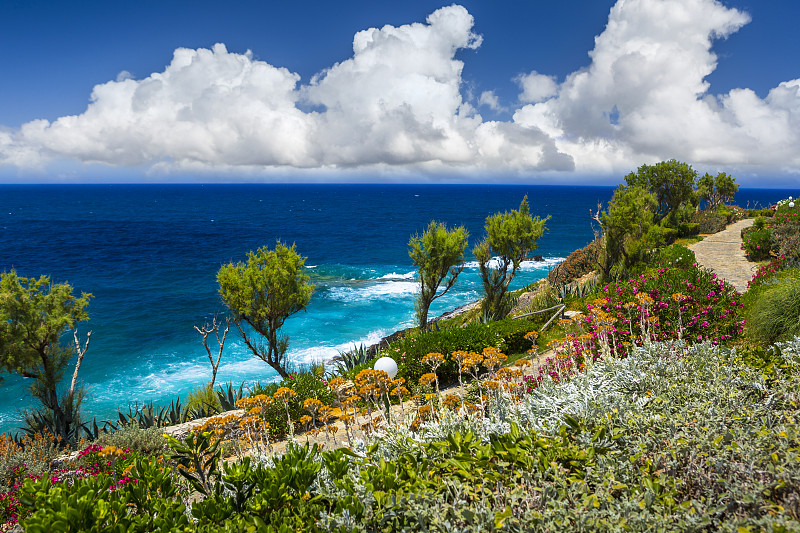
(671, 182)
(263, 292)
(716, 190)
(34, 316)
(510, 237)
(437, 254)
(629, 231)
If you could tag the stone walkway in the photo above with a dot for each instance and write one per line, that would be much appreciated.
(722, 252)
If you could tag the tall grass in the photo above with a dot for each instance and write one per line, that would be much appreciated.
(775, 315)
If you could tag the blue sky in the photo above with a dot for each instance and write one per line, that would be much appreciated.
(477, 91)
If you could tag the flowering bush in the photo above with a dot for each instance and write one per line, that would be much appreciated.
(767, 271)
(92, 461)
(673, 303)
(756, 243)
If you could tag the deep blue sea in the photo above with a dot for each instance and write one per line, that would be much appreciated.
(149, 254)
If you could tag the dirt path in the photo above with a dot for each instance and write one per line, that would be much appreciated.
(722, 253)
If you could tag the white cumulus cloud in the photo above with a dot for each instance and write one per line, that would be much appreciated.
(398, 103)
(536, 87)
(644, 96)
(395, 103)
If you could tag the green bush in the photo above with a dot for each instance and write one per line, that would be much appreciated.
(785, 239)
(409, 351)
(577, 264)
(688, 229)
(146, 441)
(708, 222)
(775, 314)
(513, 332)
(202, 398)
(675, 256)
(756, 243)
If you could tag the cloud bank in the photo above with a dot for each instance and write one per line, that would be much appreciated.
(398, 103)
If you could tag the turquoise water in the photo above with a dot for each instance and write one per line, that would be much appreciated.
(149, 254)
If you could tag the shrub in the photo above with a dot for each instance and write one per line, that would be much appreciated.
(785, 239)
(513, 332)
(577, 264)
(756, 243)
(409, 351)
(31, 454)
(775, 315)
(305, 385)
(690, 303)
(766, 272)
(146, 441)
(675, 256)
(709, 222)
(202, 399)
(688, 229)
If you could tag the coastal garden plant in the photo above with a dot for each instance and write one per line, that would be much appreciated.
(510, 237)
(672, 184)
(35, 314)
(262, 293)
(438, 255)
(633, 444)
(774, 314)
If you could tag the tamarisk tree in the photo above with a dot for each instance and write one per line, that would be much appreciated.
(262, 293)
(438, 255)
(34, 316)
(510, 236)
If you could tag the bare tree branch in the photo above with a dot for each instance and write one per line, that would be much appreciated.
(81, 352)
(205, 331)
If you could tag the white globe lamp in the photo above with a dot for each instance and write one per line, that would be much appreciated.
(791, 204)
(388, 365)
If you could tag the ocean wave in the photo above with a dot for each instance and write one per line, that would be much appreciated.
(396, 276)
(324, 353)
(547, 262)
(368, 291)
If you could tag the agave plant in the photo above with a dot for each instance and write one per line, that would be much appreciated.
(229, 395)
(346, 361)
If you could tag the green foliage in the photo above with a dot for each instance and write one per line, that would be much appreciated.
(510, 237)
(438, 256)
(506, 335)
(709, 222)
(34, 315)
(688, 229)
(768, 361)
(672, 439)
(145, 441)
(676, 256)
(409, 351)
(716, 190)
(306, 385)
(513, 332)
(203, 398)
(775, 314)
(228, 395)
(671, 183)
(577, 264)
(629, 231)
(345, 362)
(756, 243)
(263, 292)
(197, 457)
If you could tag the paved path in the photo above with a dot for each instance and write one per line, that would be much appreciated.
(722, 252)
